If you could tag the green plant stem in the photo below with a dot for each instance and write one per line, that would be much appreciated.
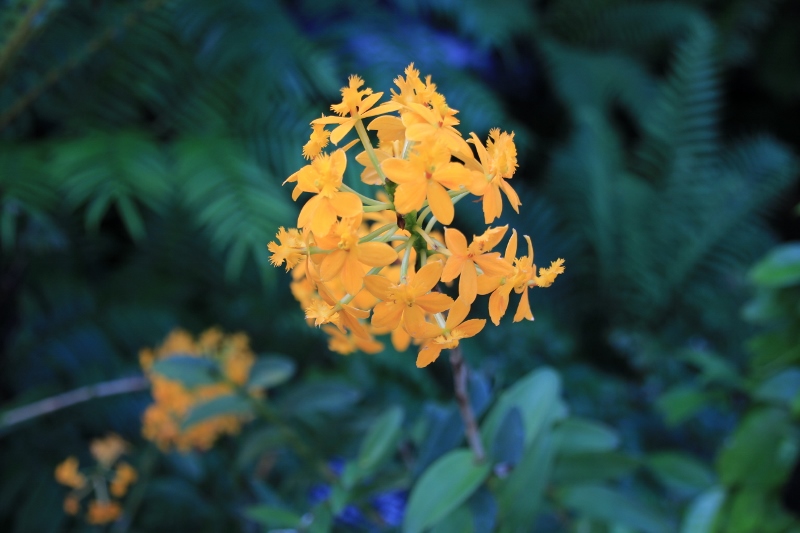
(378, 207)
(362, 134)
(383, 229)
(366, 199)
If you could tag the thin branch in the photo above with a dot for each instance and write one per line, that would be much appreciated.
(50, 405)
(20, 35)
(460, 372)
(59, 71)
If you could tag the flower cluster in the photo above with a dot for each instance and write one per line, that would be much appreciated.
(108, 479)
(163, 420)
(352, 254)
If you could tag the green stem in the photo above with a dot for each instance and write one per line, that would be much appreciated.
(404, 264)
(362, 134)
(366, 199)
(378, 207)
(383, 229)
(435, 245)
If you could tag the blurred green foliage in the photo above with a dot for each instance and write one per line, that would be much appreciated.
(142, 147)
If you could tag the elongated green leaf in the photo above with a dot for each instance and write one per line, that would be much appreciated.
(231, 404)
(319, 397)
(578, 435)
(680, 472)
(274, 516)
(536, 396)
(781, 268)
(270, 371)
(520, 494)
(380, 439)
(607, 505)
(443, 487)
(782, 388)
(593, 467)
(681, 403)
(702, 512)
(509, 443)
(459, 521)
(189, 370)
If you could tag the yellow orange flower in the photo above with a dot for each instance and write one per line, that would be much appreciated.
(447, 337)
(498, 162)
(345, 344)
(523, 278)
(350, 256)
(463, 259)
(291, 250)
(424, 176)
(67, 473)
(72, 504)
(323, 177)
(317, 141)
(103, 512)
(124, 476)
(356, 104)
(407, 302)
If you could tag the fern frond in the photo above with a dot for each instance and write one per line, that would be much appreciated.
(125, 170)
(232, 199)
(680, 134)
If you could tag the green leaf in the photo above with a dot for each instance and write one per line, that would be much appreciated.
(270, 371)
(380, 439)
(781, 267)
(602, 503)
(752, 457)
(680, 472)
(702, 513)
(578, 436)
(681, 403)
(748, 511)
(459, 521)
(320, 397)
(713, 367)
(255, 444)
(536, 396)
(274, 516)
(593, 467)
(231, 404)
(189, 370)
(781, 389)
(445, 485)
(509, 443)
(520, 495)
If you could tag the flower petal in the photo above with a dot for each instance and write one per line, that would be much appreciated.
(434, 302)
(426, 278)
(498, 304)
(427, 355)
(470, 328)
(457, 313)
(346, 204)
(352, 274)
(409, 197)
(376, 254)
(493, 265)
(401, 171)
(487, 284)
(378, 286)
(332, 265)
(524, 308)
(456, 242)
(452, 268)
(324, 218)
(340, 131)
(387, 315)
(440, 202)
(468, 283)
